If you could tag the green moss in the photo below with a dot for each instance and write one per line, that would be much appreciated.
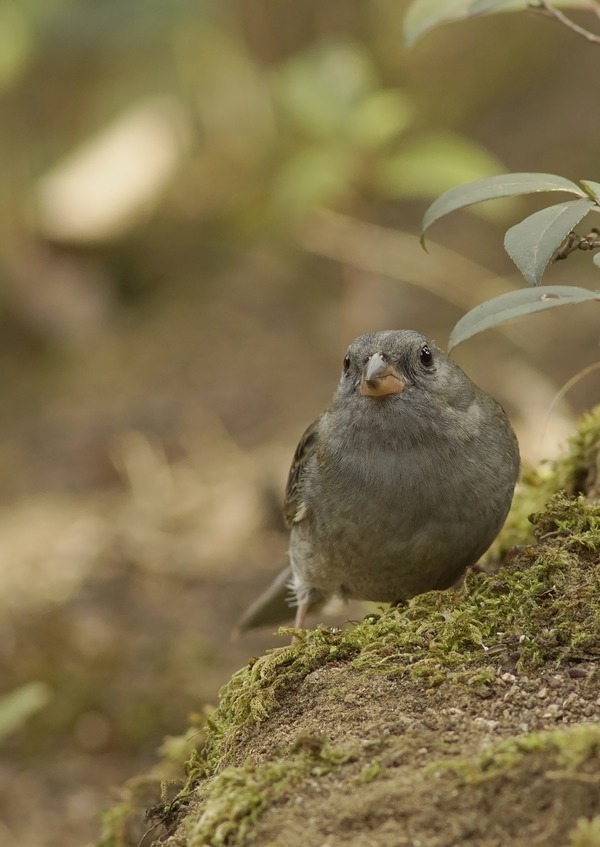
(586, 833)
(533, 490)
(576, 746)
(569, 753)
(121, 825)
(160, 791)
(577, 526)
(237, 796)
(253, 692)
(578, 471)
(370, 771)
(114, 824)
(542, 607)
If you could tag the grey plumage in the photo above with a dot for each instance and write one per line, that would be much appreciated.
(401, 484)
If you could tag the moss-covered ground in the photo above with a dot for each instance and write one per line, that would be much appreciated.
(466, 717)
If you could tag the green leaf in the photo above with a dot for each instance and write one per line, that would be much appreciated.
(490, 188)
(18, 705)
(313, 177)
(480, 7)
(432, 163)
(592, 188)
(531, 243)
(379, 117)
(516, 304)
(17, 43)
(320, 88)
(423, 15)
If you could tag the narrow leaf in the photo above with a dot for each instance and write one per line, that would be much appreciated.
(20, 704)
(480, 7)
(531, 243)
(490, 188)
(592, 188)
(423, 15)
(516, 304)
(431, 163)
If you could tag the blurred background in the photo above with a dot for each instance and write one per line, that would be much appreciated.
(201, 205)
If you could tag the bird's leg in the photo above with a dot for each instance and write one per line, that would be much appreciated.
(301, 612)
(307, 600)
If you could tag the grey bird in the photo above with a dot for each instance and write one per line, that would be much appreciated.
(398, 487)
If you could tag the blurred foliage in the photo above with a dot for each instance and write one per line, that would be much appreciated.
(20, 704)
(321, 126)
(277, 113)
(534, 243)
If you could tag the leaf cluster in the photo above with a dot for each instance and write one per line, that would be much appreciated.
(532, 244)
(544, 237)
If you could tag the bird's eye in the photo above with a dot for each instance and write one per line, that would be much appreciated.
(426, 356)
(346, 363)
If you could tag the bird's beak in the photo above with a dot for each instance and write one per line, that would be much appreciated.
(380, 378)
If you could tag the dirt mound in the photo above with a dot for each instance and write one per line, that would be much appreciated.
(465, 718)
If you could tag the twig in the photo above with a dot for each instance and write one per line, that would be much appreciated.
(544, 8)
(569, 385)
(573, 242)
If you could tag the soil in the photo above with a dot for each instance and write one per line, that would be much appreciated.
(412, 732)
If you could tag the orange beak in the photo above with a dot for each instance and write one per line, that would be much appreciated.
(380, 378)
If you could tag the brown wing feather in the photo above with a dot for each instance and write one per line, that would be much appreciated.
(293, 507)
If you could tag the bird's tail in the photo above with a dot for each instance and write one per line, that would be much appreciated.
(275, 605)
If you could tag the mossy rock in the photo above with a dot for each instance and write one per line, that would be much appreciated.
(466, 717)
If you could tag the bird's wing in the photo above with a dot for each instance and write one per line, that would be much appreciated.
(294, 508)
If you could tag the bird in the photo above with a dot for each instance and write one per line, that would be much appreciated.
(399, 486)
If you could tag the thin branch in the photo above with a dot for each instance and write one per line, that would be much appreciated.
(573, 242)
(545, 8)
(567, 387)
